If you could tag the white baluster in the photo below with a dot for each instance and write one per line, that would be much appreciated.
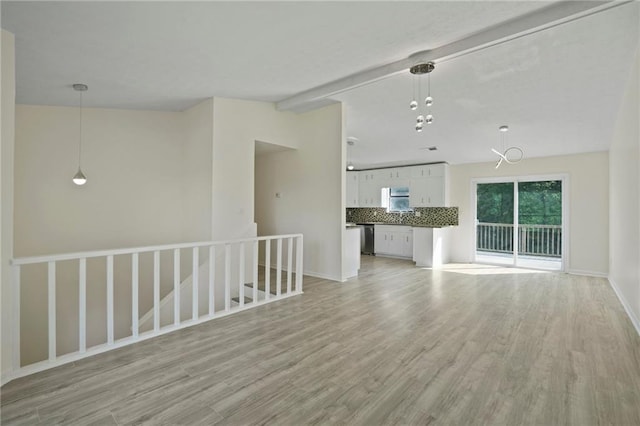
(156, 290)
(241, 276)
(267, 269)
(227, 277)
(51, 291)
(82, 305)
(176, 287)
(299, 264)
(289, 263)
(212, 278)
(16, 318)
(110, 300)
(255, 271)
(195, 283)
(134, 295)
(279, 268)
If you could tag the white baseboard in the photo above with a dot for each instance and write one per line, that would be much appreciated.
(6, 378)
(587, 273)
(626, 306)
(309, 273)
(323, 276)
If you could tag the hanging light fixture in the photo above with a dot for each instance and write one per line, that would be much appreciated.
(417, 71)
(510, 155)
(79, 178)
(350, 143)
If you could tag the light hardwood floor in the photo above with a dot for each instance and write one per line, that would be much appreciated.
(398, 345)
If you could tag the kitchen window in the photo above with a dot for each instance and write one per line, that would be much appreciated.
(396, 199)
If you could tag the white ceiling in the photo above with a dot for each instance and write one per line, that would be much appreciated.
(558, 89)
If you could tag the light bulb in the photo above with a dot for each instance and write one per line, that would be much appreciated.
(429, 119)
(419, 127)
(413, 105)
(420, 119)
(350, 166)
(428, 101)
(79, 178)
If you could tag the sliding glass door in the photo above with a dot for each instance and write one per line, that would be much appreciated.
(520, 222)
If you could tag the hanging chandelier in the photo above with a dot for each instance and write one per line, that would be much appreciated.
(426, 116)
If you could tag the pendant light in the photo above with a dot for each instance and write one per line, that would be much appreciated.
(79, 178)
(350, 143)
(417, 71)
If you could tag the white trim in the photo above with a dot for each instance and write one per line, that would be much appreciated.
(588, 273)
(323, 276)
(634, 320)
(564, 178)
(95, 350)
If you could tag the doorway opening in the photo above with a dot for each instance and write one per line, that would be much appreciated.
(521, 222)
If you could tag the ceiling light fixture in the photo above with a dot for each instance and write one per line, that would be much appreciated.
(79, 178)
(510, 155)
(417, 71)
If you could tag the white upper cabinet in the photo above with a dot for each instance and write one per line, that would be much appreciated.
(427, 185)
(369, 185)
(353, 197)
(429, 170)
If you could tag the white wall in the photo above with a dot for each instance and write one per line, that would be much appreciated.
(149, 182)
(624, 228)
(588, 205)
(238, 124)
(197, 172)
(7, 119)
(310, 180)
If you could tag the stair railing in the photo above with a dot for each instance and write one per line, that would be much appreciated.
(234, 267)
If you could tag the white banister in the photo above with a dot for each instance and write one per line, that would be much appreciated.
(203, 279)
(176, 287)
(51, 291)
(82, 305)
(195, 261)
(134, 295)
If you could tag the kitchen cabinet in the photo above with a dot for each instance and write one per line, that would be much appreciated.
(395, 177)
(430, 246)
(428, 186)
(353, 196)
(369, 186)
(427, 192)
(394, 240)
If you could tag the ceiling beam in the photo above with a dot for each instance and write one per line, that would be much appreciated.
(548, 17)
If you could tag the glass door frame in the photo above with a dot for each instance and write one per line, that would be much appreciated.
(563, 178)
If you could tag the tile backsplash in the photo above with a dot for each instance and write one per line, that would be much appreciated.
(429, 216)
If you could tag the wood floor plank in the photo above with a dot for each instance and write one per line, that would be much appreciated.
(397, 345)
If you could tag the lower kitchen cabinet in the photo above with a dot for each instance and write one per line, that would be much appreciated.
(394, 240)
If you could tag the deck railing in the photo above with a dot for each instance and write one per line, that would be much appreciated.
(533, 240)
(232, 269)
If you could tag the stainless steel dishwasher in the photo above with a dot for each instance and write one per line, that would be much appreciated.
(367, 233)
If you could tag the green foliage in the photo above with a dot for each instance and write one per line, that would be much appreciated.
(539, 203)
